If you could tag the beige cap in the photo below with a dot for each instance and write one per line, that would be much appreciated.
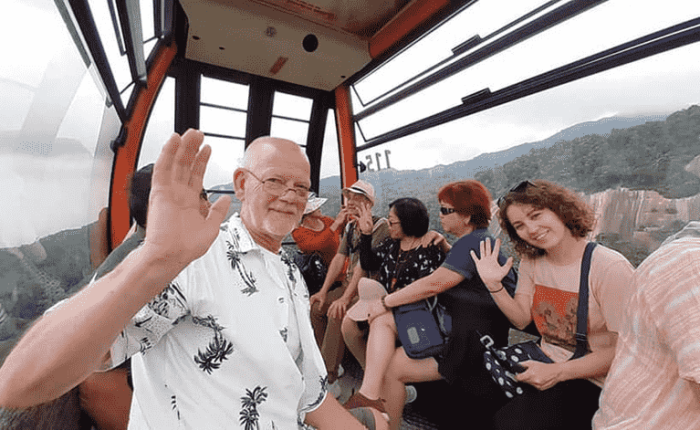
(362, 187)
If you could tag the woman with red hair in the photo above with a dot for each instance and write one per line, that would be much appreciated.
(465, 212)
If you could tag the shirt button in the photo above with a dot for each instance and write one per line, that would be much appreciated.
(280, 299)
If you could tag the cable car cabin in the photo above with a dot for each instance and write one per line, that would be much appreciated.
(408, 94)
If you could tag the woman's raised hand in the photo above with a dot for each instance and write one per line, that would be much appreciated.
(490, 270)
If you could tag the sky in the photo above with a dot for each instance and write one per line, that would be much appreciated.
(39, 183)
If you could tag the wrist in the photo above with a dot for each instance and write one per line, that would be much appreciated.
(383, 301)
(161, 264)
(561, 373)
(495, 287)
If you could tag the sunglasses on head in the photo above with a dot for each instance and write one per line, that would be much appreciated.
(516, 189)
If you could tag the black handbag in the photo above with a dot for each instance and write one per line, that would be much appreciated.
(504, 363)
(423, 327)
(312, 269)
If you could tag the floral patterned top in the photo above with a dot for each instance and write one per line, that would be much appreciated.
(228, 344)
(397, 268)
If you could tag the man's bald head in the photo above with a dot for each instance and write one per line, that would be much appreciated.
(263, 147)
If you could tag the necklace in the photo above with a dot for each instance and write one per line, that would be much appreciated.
(401, 260)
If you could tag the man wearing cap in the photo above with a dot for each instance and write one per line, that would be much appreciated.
(333, 304)
(214, 316)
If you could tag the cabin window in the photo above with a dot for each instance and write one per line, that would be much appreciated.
(329, 158)
(636, 165)
(107, 23)
(55, 162)
(542, 52)
(161, 124)
(477, 19)
(223, 120)
(290, 117)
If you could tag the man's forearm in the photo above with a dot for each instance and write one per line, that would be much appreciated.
(70, 342)
(334, 270)
(351, 289)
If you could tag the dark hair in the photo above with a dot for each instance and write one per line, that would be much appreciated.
(413, 216)
(576, 214)
(469, 198)
(139, 192)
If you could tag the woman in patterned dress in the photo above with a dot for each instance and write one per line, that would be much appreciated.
(410, 253)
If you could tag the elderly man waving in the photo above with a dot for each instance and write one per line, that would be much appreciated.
(215, 316)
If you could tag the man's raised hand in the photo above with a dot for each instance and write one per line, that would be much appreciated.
(176, 231)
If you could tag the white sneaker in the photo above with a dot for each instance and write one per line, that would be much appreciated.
(411, 394)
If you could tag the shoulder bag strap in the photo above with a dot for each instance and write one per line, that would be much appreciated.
(582, 312)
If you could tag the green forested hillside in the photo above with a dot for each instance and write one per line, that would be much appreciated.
(650, 156)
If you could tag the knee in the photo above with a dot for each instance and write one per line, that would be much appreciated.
(317, 313)
(349, 328)
(90, 389)
(384, 322)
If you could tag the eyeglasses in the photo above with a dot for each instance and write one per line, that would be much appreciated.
(516, 189)
(203, 194)
(278, 187)
(447, 211)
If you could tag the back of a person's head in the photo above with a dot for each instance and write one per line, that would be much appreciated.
(139, 192)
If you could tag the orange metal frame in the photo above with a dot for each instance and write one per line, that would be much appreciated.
(409, 19)
(346, 136)
(125, 157)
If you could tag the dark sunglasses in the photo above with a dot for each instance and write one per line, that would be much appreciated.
(447, 211)
(516, 189)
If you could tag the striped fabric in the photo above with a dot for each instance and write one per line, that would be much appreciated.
(657, 362)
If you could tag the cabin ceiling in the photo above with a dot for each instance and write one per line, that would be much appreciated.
(314, 43)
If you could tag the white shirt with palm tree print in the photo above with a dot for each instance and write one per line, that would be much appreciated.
(227, 345)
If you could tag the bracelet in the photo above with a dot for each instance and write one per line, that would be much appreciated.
(384, 303)
(494, 292)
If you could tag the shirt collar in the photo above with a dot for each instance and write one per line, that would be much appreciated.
(236, 227)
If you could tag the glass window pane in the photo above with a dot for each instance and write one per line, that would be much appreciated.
(148, 48)
(55, 164)
(481, 18)
(224, 93)
(639, 180)
(222, 121)
(292, 106)
(330, 169)
(161, 124)
(553, 48)
(293, 130)
(226, 156)
(118, 62)
(147, 20)
(330, 159)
